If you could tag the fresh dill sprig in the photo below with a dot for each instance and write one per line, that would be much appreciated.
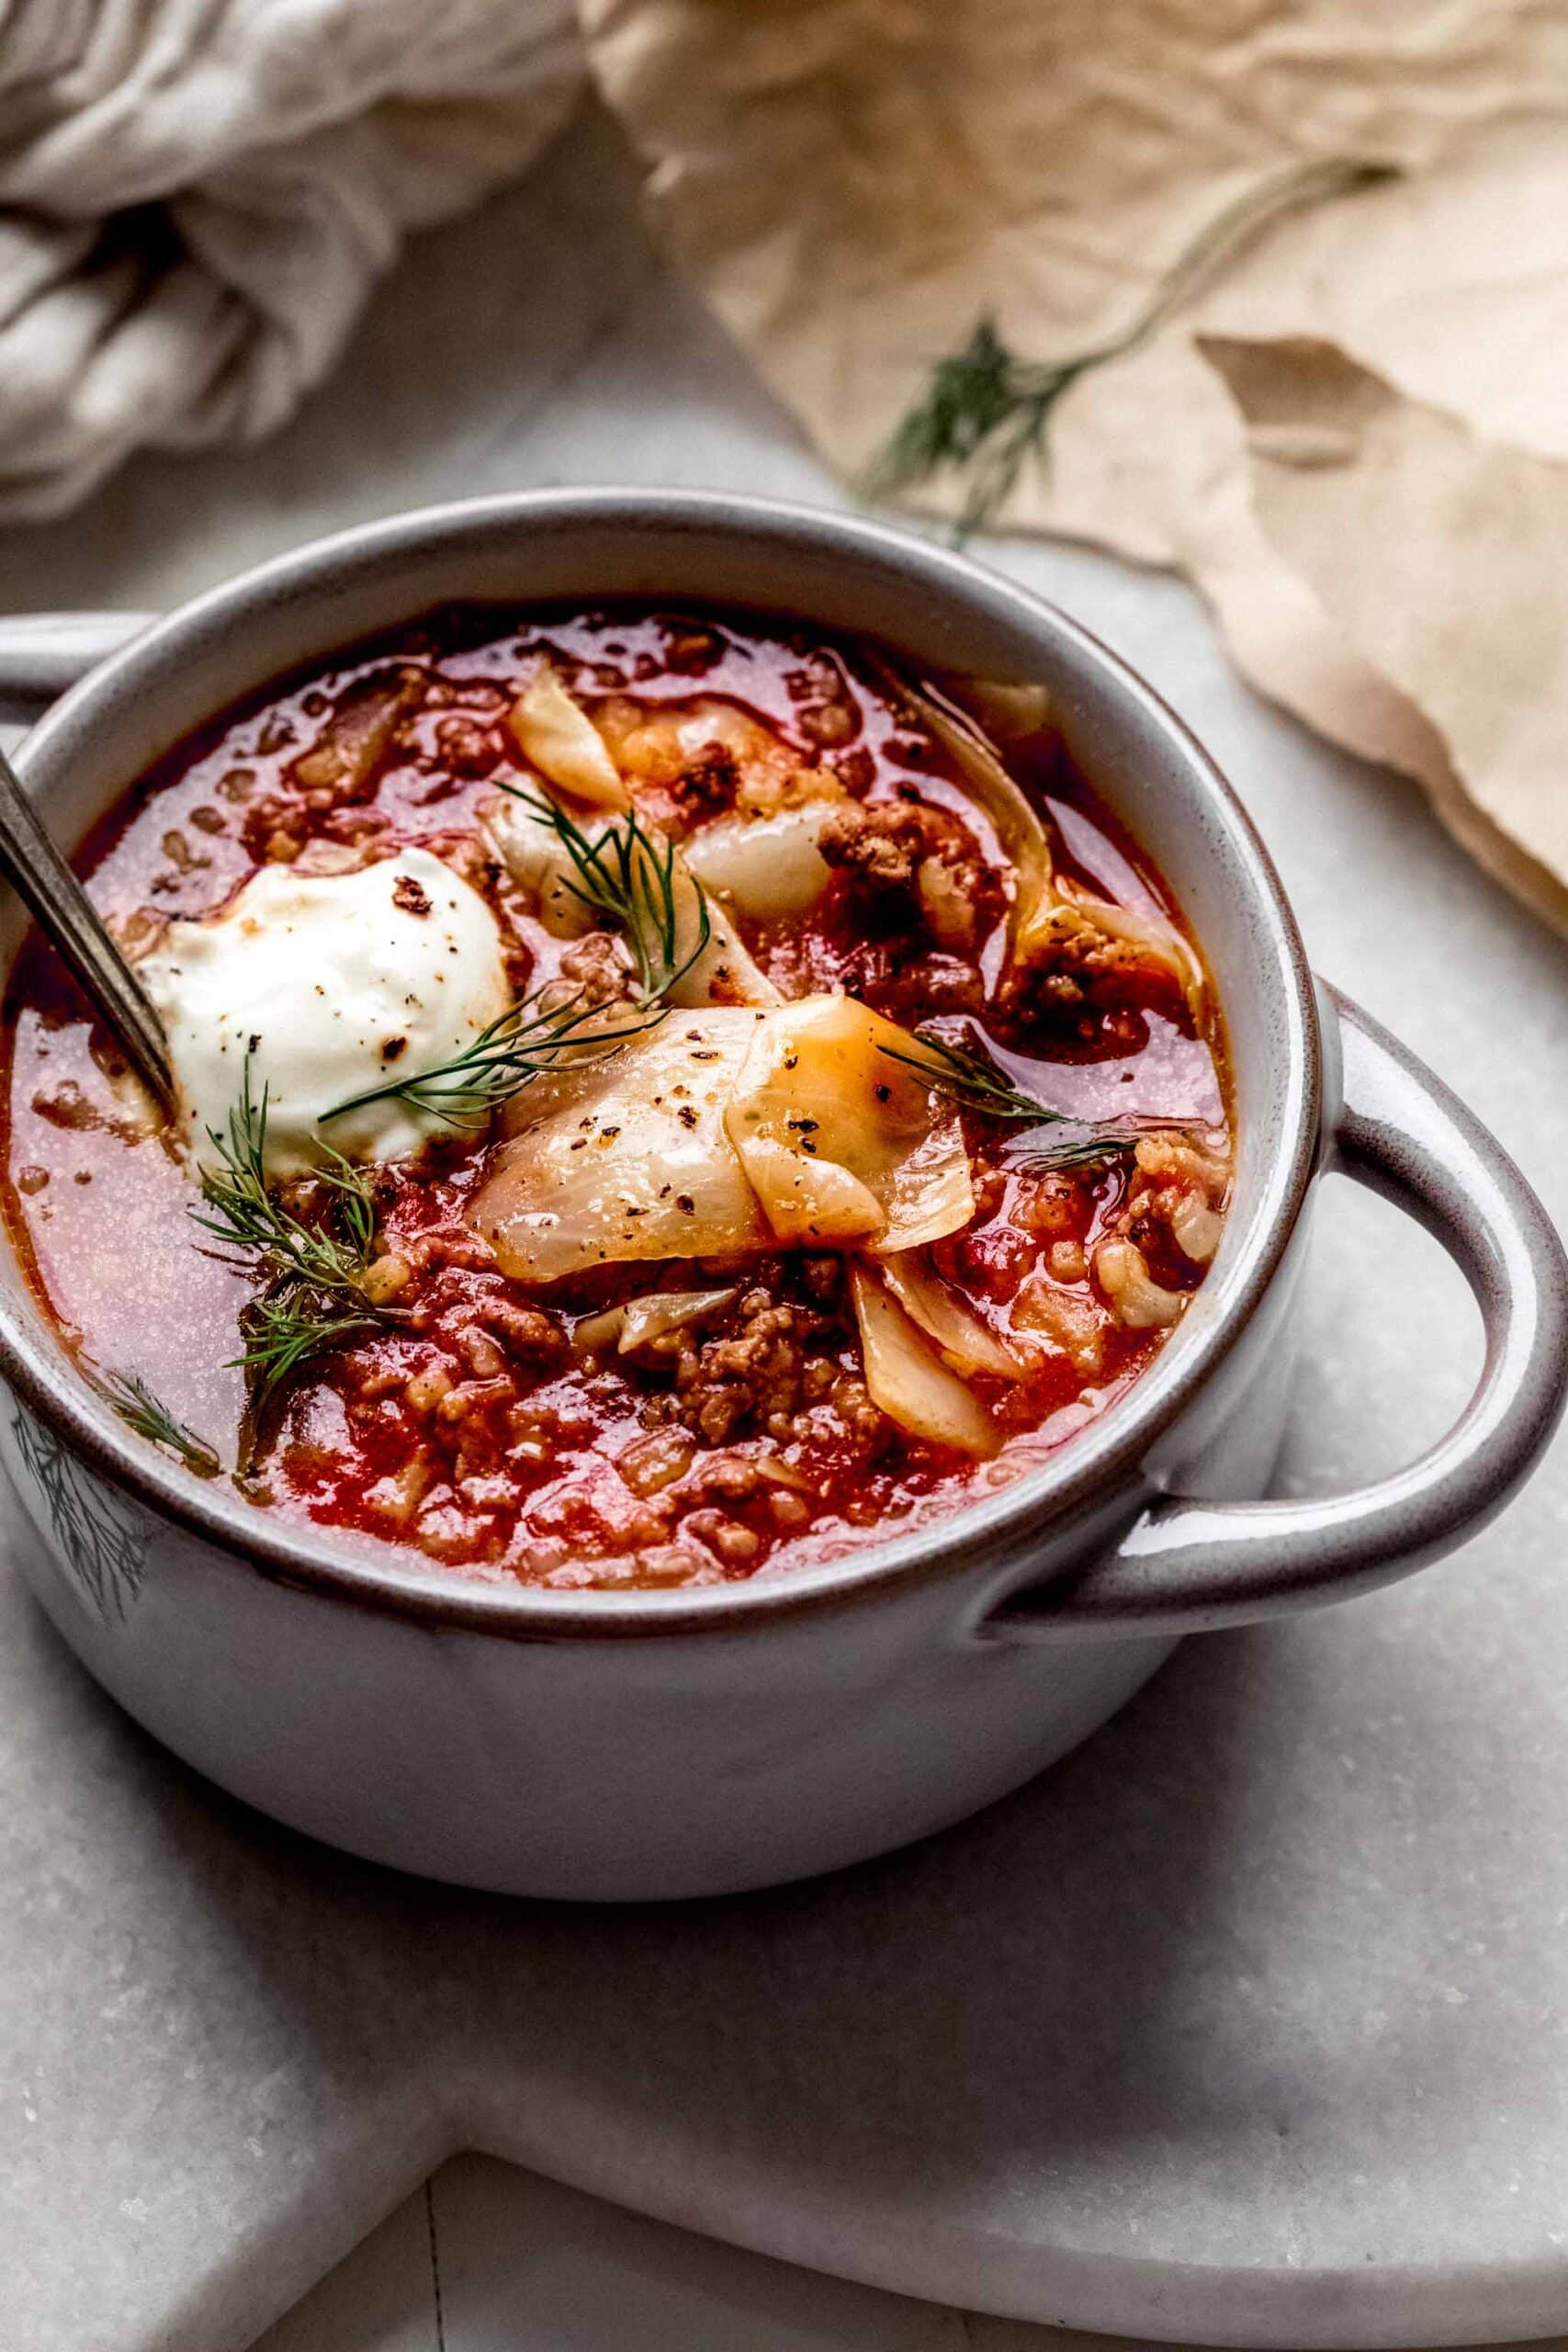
(250, 1218)
(312, 1296)
(633, 879)
(985, 410)
(628, 875)
(1074, 1143)
(285, 1328)
(149, 1417)
(526, 1041)
(975, 1084)
(969, 1079)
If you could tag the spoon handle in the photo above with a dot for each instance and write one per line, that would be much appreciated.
(53, 896)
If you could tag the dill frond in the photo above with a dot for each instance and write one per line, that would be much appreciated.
(149, 1417)
(525, 1043)
(975, 1084)
(285, 1328)
(969, 1079)
(312, 1296)
(985, 410)
(633, 879)
(246, 1217)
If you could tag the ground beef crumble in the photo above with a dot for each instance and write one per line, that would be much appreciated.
(1077, 979)
(916, 870)
(751, 1380)
(594, 970)
(708, 782)
(764, 1366)
(460, 1396)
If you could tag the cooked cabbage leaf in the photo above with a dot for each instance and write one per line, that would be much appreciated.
(843, 1143)
(906, 1377)
(728, 1129)
(769, 867)
(627, 1157)
(553, 730)
(725, 971)
(1018, 825)
(967, 1343)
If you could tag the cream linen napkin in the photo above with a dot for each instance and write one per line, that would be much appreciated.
(857, 183)
(196, 195)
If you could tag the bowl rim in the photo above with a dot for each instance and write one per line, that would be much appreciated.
(1088, 1469)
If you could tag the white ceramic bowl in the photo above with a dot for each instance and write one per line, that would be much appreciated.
(689, 1743)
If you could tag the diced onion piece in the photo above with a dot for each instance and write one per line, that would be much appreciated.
(842, 1141)
(1134, 1297)
(909, 1381)
(626, 1158)
(775, 1471)
(967, 1343)
(770, 868)
(643, 1319)
(555, 734)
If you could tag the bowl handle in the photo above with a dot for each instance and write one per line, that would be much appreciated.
(1186, 1565)
(42, 653)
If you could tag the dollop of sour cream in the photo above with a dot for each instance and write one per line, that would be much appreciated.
(330, 984)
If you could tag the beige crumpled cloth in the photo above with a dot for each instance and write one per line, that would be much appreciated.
(197, 196)
(1355, 439)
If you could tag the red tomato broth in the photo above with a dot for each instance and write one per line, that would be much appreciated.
(562, 1469)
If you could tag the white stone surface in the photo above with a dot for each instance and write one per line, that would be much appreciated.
(1251, 2020)
(488, 2259)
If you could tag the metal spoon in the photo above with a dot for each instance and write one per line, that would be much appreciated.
(57, 902)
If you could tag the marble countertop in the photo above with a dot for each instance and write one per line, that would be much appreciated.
(1348, 1940)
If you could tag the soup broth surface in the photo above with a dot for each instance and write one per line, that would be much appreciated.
(1042, 1104)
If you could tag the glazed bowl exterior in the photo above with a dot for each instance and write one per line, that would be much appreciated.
(655, 1745)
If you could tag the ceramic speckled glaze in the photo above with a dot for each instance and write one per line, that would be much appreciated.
(690, 1743)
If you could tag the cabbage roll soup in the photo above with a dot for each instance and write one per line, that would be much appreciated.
(663, 1098)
